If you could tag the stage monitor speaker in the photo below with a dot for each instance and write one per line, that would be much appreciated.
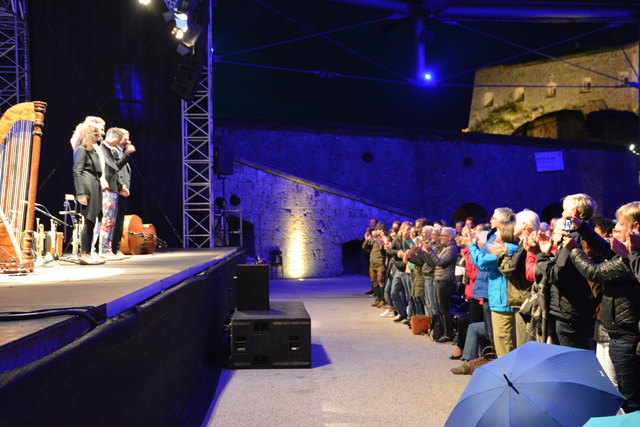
(252, 287)
(223, 158)
(278, 338)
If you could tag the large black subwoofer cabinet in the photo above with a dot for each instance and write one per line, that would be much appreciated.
(276, 338)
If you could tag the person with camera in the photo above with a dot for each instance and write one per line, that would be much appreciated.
(620, 309)
(572, 305)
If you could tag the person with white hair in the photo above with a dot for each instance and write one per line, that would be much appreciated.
(519, 268)
(571, 306)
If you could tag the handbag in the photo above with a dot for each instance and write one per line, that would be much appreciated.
(487, 355)
(420, 323)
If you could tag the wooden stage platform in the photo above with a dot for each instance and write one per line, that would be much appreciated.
(113, 287)
(147, 347)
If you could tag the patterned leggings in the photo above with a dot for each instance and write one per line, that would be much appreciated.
(109, 204)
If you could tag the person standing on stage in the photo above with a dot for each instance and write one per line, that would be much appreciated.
(97, 121)
(112, 165)
(121, 151)
(87, 174)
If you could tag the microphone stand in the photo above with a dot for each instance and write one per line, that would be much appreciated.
(53, 236)
(51, 217)
(77, 222)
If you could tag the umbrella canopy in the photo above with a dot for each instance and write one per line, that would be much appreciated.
(537, 385)
(631, 419)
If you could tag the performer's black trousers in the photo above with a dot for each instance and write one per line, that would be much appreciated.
(117, 228)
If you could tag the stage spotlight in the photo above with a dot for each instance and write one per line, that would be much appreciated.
(632, 147)
(144, 2)
(234, 200)
(428, 78)
(188, 39)
(177, 33)
(180, 29)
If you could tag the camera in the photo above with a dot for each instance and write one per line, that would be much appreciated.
(567, 224)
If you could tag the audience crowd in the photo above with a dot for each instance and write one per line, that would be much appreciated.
(490, 288)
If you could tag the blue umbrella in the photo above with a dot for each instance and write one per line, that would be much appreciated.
(632, 419)
(537, 385)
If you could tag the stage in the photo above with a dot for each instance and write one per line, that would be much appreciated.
(146, 315)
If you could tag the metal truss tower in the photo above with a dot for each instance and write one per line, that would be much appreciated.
(14, 55)
(198, 220)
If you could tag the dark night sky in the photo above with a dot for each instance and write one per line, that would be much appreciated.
(116, 59)
(245, 91)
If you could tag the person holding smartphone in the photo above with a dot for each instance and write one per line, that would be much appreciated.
(572, 306)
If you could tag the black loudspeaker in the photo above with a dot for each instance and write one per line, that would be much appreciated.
(252, 287)
(223, 158)
(188, 75)
(278, 338)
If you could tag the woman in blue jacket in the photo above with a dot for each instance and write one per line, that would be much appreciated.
(502, 316)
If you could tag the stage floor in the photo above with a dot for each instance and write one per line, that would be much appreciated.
(117, 285)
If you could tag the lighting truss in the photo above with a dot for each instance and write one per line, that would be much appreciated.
(14, 55)
(197, 158)
(198, 220)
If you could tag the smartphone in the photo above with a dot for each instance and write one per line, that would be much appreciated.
(567, 224)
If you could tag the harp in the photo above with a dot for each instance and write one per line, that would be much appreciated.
(20, 133)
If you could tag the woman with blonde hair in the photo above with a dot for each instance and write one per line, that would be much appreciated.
(87, 171)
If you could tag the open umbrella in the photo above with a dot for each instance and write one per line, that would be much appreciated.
(632, 419)
(537, 385)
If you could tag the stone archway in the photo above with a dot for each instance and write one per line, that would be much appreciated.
(612, 127)
(354, 259)
(606, 126)
(554, 210)
(474, 210)
(568, 125)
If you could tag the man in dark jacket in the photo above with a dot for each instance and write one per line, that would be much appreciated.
(396, 252)
(375, 246)
(620, 312)
(121, 151)
(572, 305)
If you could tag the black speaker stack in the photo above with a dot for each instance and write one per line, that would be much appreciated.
(266, 334)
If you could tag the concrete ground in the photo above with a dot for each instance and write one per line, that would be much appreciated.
(366, 370)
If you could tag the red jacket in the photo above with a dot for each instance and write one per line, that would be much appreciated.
(471, 272)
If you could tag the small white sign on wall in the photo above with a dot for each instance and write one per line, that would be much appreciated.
(549, 161)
